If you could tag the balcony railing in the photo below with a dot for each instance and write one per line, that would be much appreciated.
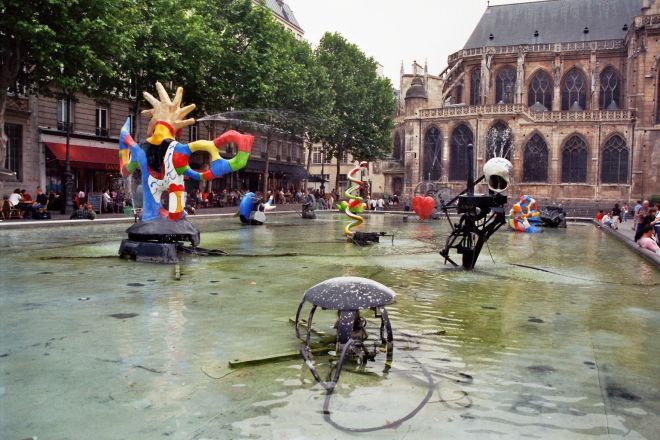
(65, 126)
(515, 109)
(575, 46)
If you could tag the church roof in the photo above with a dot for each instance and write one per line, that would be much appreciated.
(283, 11)
(557, 21)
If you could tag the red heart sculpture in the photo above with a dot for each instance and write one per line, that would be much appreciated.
(423, 206)
(415, 202)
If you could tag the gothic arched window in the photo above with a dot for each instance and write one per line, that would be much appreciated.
(540, 90)
(475, 86)
(505, 85)
(431, 165)
(460, 138)
(574, 91)
(498, 141)
(614, 167)
(610, 89)
(397, 151)
(574, 161)
(535, 160)
(458, 93)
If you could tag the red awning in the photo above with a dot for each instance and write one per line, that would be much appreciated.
(86, 157)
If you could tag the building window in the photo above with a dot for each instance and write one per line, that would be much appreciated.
(63, 115)
(14, 156)
(316, 155)
(460, 138)
(610, 90)
(535, 160)
(397, 151)
(505, 85)
(431, 164)
(475, 86)
(458, 93)
(574, 91)
(574, 161)
(102, 121)
(130, 125)
(498, 141)
(614, 167)
(540, 92)
(192, 133)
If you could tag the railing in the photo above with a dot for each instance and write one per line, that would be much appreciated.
(647, 20)
(513, 109)
(574, 46)
(65, 126)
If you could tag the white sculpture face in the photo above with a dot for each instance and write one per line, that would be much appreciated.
(498, 172)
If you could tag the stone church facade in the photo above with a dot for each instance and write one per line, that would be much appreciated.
(568, 90)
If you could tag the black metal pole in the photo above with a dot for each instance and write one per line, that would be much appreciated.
(67, 207)
(469, 153)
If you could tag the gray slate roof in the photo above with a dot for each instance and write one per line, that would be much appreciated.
(283, 10)
(557, 21)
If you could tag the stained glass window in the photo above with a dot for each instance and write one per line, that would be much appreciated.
(614, 166)
(540, 90)
(397, 151)
(574, 91)
(498, 141)
(610, 90)
(460, 138)
(535, 160)
(475, 86)
(505, 86)
(431, 165)
(574, 161)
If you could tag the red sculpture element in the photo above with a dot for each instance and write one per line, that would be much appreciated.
(423, 206)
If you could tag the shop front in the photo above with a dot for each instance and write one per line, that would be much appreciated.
(94, 164)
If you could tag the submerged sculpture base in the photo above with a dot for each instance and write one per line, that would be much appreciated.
(364, 238)
(147, 252)
(158, 241)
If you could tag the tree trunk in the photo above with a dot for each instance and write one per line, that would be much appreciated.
(339, 156)
(309, 157)
(3, 136)
(265, 179)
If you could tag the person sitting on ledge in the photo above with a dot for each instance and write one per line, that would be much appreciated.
(608, 220)
(84, 212)
(646, 241)
(599, 216)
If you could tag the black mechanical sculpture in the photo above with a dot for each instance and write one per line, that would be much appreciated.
(553, 216)
(480, 214)
(347, 295)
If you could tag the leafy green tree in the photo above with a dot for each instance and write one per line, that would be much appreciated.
(363, 105)
(52, 46)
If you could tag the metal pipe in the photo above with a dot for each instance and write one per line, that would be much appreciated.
(469, 152)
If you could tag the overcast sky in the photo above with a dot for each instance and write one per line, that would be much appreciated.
(392, 31)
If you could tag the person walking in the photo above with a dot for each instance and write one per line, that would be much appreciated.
(636, 209)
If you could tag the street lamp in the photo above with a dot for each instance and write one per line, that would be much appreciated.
(68, 175)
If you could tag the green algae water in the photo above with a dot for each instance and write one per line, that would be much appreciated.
(552, 336)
